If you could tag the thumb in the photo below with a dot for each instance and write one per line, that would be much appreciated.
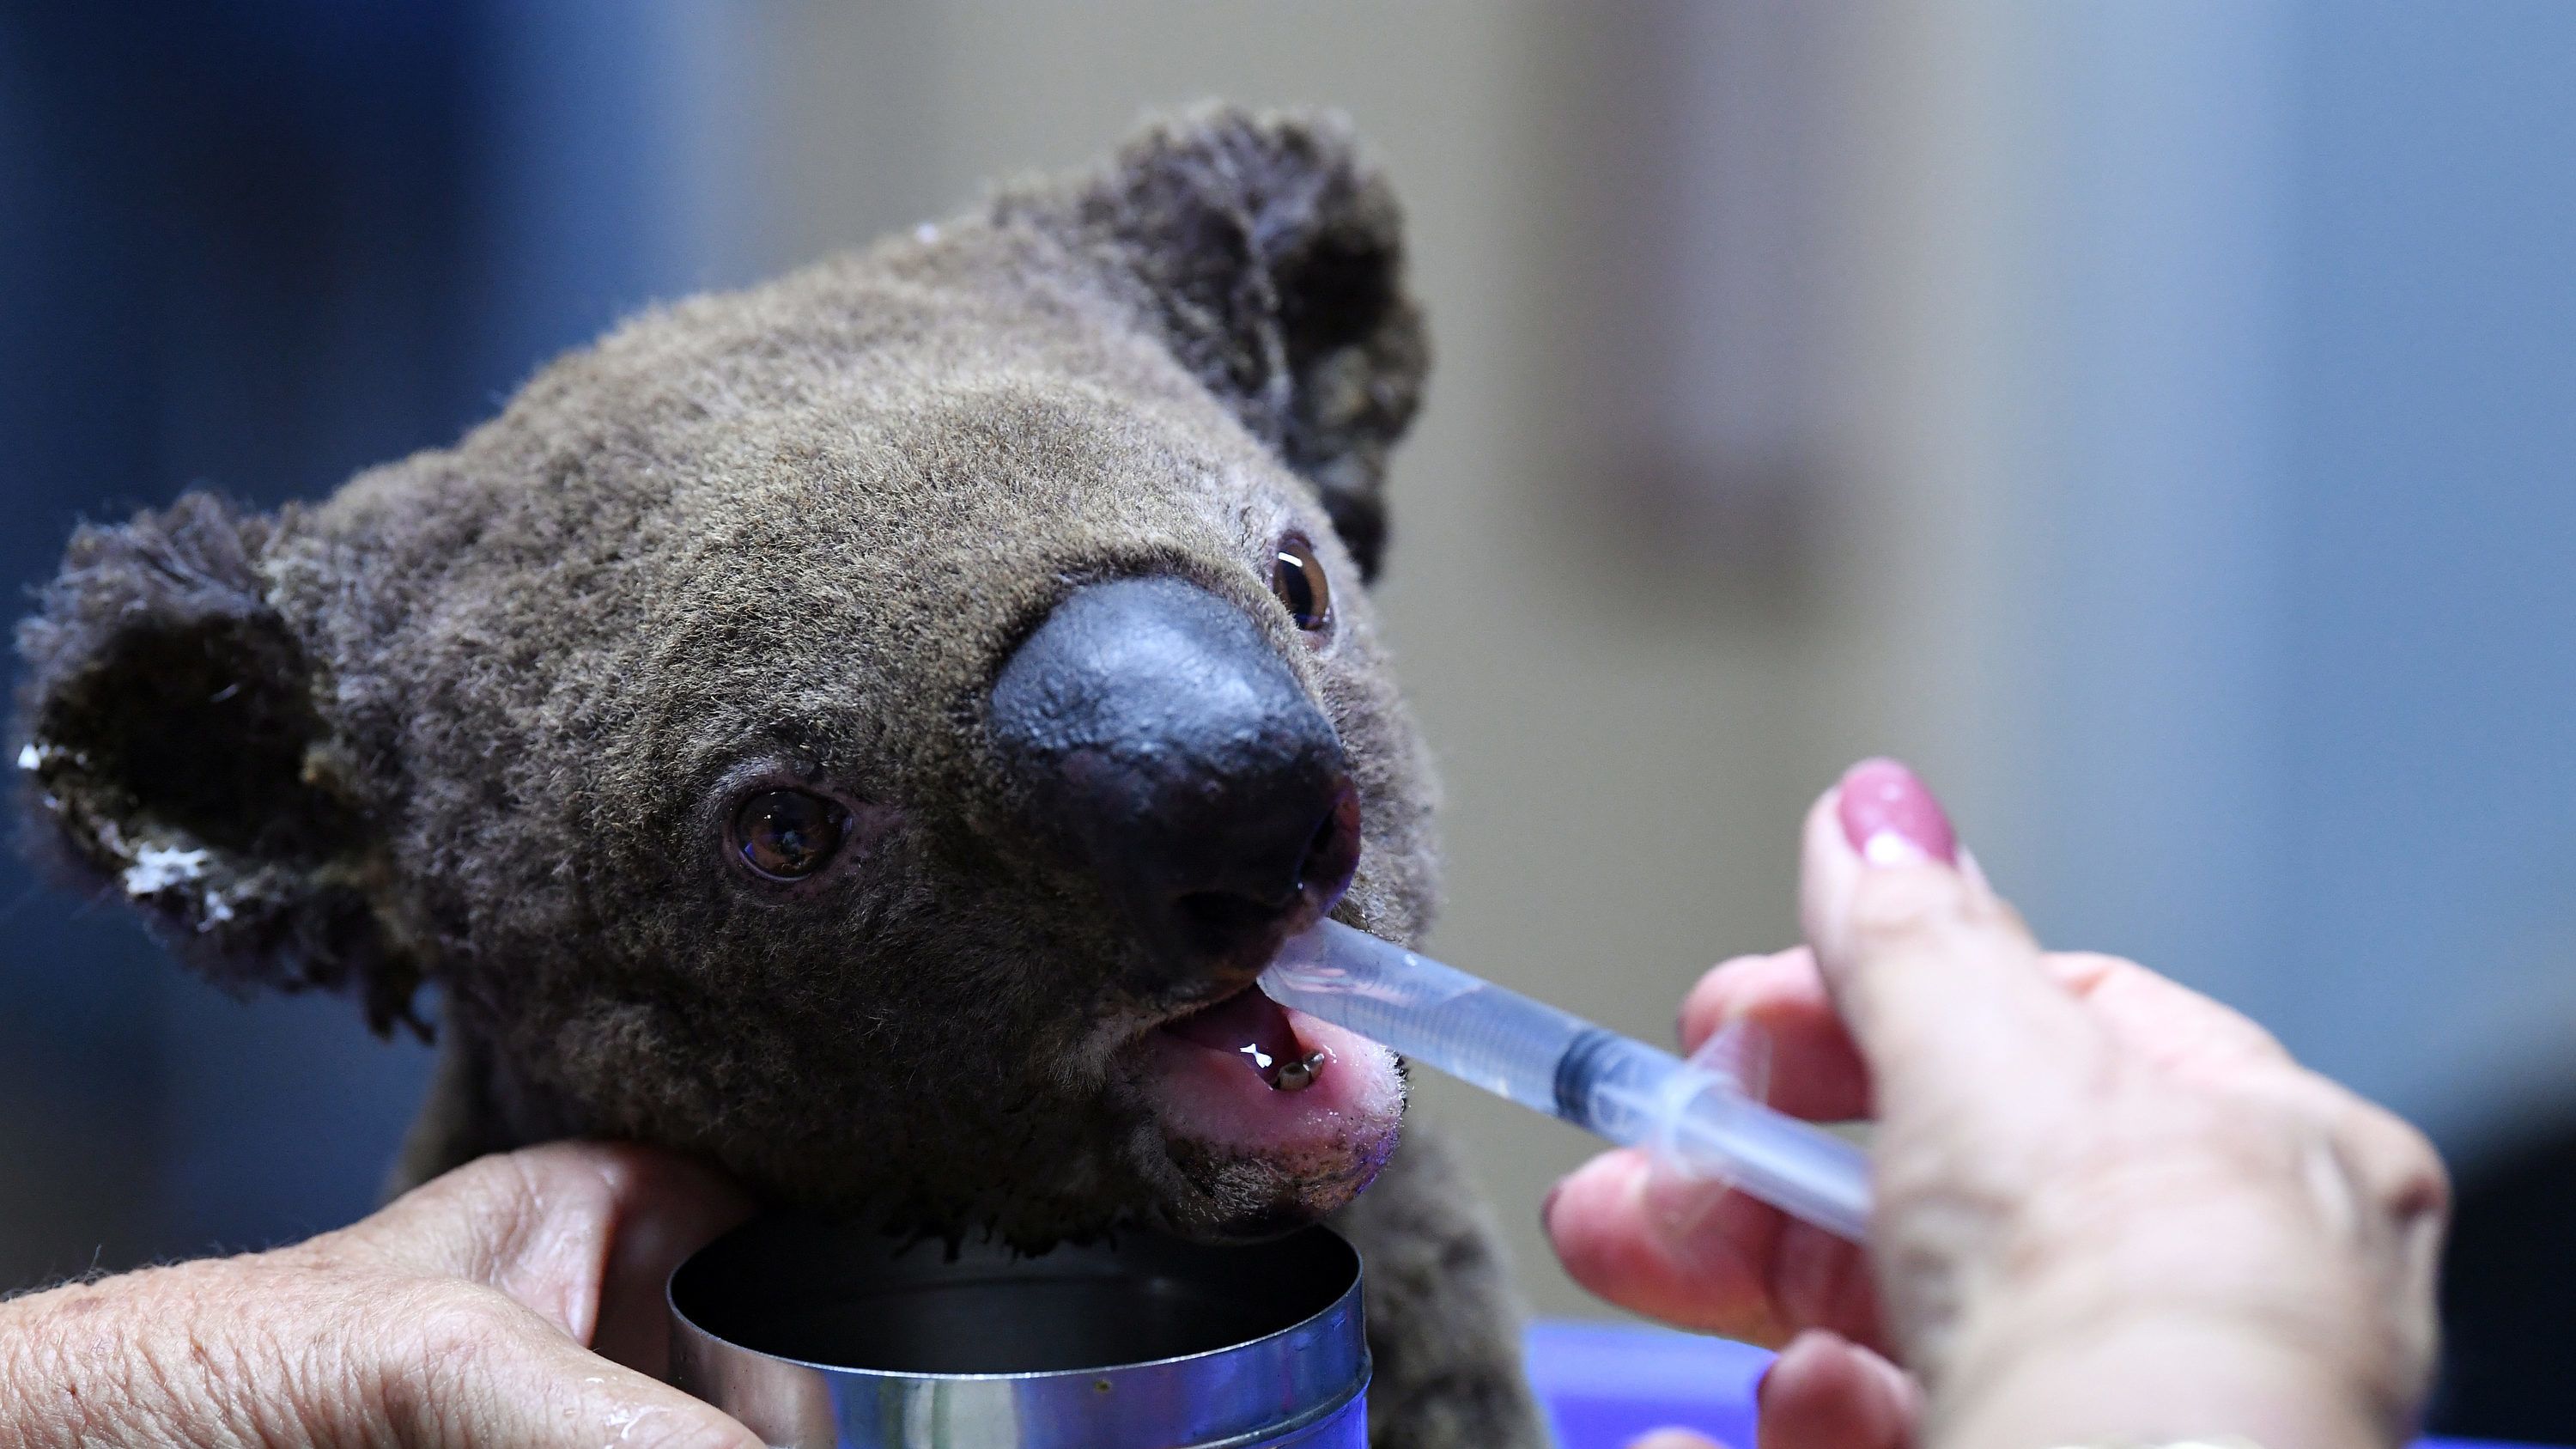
(1939, 982)
(583, 1233)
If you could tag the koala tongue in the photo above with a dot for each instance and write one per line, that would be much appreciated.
(1247, 1023)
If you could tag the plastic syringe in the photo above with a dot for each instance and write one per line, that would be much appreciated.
(1699, 1121)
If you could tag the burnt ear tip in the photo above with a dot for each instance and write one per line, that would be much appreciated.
(173, 748)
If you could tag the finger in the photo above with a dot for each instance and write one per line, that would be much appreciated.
(2166, 1024)
(471, 1367)
(1816, 1071)
(2202, 1042)
(1937, 980)
(2389, 1172)
(669, 1208)
(2393, 1160)
(564, 1228)
(1824, 1392)
(1703, 1256)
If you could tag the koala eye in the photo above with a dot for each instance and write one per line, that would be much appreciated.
(789, 834)
(1298, 578)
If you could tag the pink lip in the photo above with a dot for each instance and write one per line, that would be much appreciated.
(1216, 1095)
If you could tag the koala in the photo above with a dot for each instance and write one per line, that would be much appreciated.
(869, 731)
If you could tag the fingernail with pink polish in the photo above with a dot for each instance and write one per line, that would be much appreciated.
(1891, 819)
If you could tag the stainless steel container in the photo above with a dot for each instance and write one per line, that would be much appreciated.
(815, 1338)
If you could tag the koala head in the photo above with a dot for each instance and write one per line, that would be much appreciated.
(871, 729)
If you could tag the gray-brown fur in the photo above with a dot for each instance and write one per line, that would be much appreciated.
(468, 721)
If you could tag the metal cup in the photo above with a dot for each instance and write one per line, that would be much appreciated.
(817, 1337)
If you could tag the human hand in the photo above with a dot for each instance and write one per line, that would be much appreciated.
(2107, 1207)
(515, 1301)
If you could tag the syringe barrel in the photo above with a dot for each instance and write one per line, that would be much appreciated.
(1556, 1062)
(1704, 1125)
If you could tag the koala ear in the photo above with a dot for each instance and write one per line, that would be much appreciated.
(1270, 255)
(172, 748)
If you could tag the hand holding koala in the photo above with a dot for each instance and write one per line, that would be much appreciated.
(514, 1302)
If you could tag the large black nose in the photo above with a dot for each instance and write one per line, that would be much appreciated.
(1169, 748)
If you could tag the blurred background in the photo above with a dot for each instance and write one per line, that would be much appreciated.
(2155, 420)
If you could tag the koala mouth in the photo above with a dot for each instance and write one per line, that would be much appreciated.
(1249, 1081)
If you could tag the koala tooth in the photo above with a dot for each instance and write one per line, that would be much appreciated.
(1298, 1076)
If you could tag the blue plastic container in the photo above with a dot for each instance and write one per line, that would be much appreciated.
(1606, 1383)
